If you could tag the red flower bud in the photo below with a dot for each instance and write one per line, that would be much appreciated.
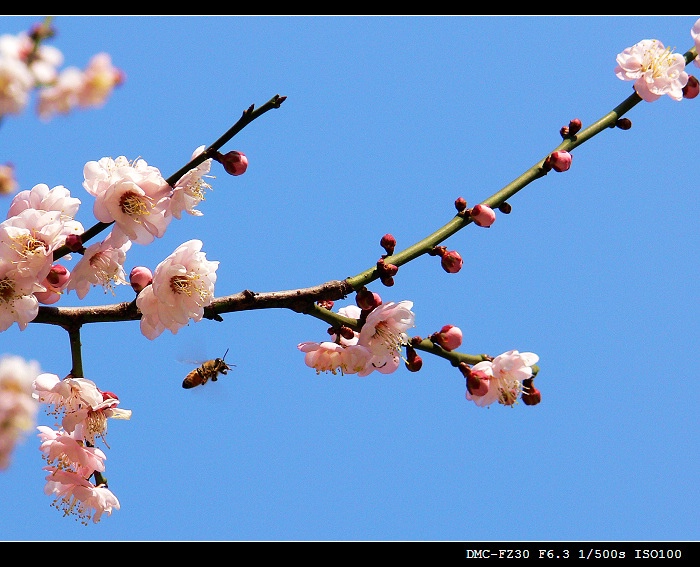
(235, 163)
(451, 262)
(460, 204)
(413, 361)
(388, 242)
(692, 88)
(559, 160)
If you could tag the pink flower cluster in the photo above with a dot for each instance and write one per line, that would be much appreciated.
(70, 452)
(24, 68)
(501, 379)
(376, 347)
(139, 202)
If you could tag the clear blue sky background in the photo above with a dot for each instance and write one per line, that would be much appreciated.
(387, 121)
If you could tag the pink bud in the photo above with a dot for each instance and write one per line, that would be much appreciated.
(367, 300)
(483, 215)
(74, 243)
(234, 162)
(140, 277)
(692, 88)
(449, 337)
(451, 262)
(58, 276)
(559, 160)
(460, 204)
(478, 383)
(388, 242)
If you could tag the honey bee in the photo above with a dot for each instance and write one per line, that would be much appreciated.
(209, 370)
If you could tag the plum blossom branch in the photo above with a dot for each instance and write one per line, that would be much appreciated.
(249, 114)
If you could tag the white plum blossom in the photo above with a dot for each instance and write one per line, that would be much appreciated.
(505, 375)
(76, 495)
(133, 195)
(101, 264)
(189, 190)
(655, 70)
(17, 407)
(183, 285)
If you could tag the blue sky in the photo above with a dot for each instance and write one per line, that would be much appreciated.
(387, 121)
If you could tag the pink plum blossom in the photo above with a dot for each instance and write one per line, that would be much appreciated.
(183, 285)
(17, 407)
(76, 495)
(8, 183)
(17, 301)
(98, 81)
(101, 264)
(504, 376)
(28, 240)
(189, 190)
(62, 96)
(68, 453)
(41, 198)
(133, 195)
(655, 70)
(384, 333)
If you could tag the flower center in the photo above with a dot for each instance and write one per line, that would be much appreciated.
(7, 290)
(135, 205)
(189, 284)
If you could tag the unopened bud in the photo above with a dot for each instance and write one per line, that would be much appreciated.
(692, 88)
(413, 361)
(483, 215)
(451, 262)
(140, 277)
(235, 163)
(449, 337)
(559, 160)
(366, 299)
(478, 383)
(531, 396)
(623, 123)
(58, 276)
(505, 208)
(388, 242)
(74, 243)
(460, 204)
(346, 332)
(386, 270)
(574, 126)
(388, 281)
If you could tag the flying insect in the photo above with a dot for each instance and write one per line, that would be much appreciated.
(208, 370)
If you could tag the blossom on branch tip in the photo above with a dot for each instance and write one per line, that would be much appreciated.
(67, 452)
(451, 262)
(695, 34)
(76, 495)
(655, 70)
(183, 285)
(504, 376)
